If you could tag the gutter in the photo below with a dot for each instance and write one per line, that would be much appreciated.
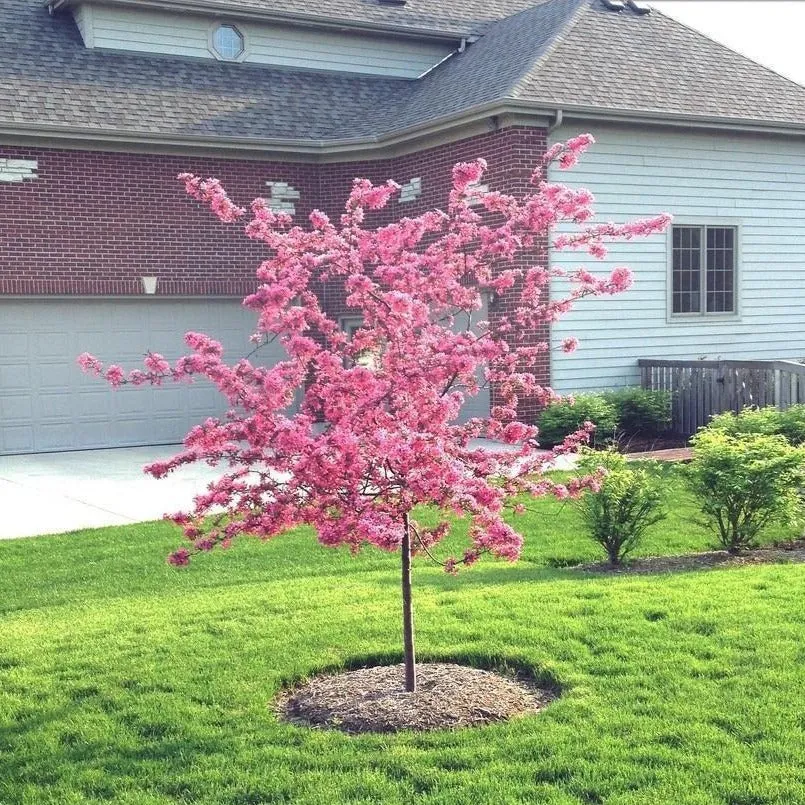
(222, 8)
(374, 145)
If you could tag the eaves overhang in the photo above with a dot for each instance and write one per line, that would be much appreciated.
(489, 117)
(239, 11)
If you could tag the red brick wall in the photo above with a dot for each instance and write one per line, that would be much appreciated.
(511, 155)
(93, 223)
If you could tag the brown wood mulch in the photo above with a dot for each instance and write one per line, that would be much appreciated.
(672, 454)
(448, 696)
(793, 551)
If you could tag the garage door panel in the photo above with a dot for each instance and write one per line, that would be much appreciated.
(47, 404)
(15, 409)
(16, 438)
(92, 434)
(15, 377)
(91, 404)
(53, 436)
(50, 406)
(165, 430)
(172, 398)
(52, 376)
(131, 401)
(51, 345)
(15, 346)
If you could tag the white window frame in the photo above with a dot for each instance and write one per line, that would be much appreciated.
(704, 222)
(211, 41)
(367, 359)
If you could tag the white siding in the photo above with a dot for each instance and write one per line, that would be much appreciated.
(754, 182)
(83, 19)
(149, 31)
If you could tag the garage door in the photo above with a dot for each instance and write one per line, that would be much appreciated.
(48, 405)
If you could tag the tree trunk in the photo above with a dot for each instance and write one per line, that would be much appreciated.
(408, 609)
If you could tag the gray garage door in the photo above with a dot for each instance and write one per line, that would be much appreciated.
(48, 405)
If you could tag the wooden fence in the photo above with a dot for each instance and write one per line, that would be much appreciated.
(700, 389)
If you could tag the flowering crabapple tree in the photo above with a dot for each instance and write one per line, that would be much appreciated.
(351, 446)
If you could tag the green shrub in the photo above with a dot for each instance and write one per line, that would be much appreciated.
(764, 421)
(768, 421)
(745, 482)
(560, 419)
(793, 424)
(627, 503)
(641, 411)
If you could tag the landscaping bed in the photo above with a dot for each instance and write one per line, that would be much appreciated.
(448, 696)
(792, 551)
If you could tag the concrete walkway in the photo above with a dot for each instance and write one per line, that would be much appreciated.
(52, 493)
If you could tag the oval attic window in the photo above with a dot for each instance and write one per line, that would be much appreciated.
(227, 42)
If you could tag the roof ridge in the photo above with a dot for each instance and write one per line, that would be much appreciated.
(557, 40)
(727, 47)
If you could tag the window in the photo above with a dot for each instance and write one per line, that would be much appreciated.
(703, 269)
(368, 358)
(227, 42)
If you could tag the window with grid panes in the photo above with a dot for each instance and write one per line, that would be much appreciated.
(703, 269)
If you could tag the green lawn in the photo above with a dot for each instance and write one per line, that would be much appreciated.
(124, 680)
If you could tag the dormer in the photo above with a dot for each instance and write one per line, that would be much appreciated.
(232, 32)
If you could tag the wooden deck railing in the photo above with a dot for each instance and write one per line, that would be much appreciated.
(700, 389)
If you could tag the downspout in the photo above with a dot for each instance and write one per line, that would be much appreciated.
(557, 121)
(551, 128)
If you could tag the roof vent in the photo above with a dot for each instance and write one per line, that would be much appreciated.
(392, 2)
(639, 7)
(614, 5)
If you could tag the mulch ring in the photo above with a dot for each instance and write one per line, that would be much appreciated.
(792, 551)
(448, 696)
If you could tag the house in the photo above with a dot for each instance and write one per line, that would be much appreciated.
(104, 102)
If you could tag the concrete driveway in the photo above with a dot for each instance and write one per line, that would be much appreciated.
(52, 493)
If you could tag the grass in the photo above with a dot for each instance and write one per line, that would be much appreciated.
(123, 680)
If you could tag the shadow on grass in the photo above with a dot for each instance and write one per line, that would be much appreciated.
(517, 667)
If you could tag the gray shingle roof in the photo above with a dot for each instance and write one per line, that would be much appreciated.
(461, 16)
(655, 64)
(547, 53)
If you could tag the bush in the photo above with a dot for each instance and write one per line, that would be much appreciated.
(793, 424)
(764, 421)
(641, 411)
(768, 421)
(746, 482)
(560, 419)
(627, 503)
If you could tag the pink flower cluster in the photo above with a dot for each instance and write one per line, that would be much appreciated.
(348, 435)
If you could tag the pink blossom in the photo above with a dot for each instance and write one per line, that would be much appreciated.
(180, 557)
(570, 344)
(467, 173)
(89, 364)
(620, 280)
(115, 376)
(154, 362)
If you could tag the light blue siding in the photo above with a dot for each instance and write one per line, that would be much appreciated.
(178, 34)
(754, 182)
